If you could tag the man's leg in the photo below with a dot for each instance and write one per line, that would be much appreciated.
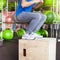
(41, 22)
(36, 23)
(33, 18)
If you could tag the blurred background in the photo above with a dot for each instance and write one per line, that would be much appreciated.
(51, 27)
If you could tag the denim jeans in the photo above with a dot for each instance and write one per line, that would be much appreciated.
(35, 20)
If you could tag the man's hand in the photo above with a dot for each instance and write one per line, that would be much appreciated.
(41, 1)
(26, 4)
(38, 1)
(37, 5)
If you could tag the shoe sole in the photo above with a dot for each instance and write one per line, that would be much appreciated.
(28, 39)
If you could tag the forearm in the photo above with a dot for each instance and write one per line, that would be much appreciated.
(26, 4)
(36, 6)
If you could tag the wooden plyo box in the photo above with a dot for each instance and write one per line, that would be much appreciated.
(39, 49)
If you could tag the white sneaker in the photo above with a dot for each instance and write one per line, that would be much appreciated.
(35, 35)
(32, 36)
(28, 37)
(25, 36)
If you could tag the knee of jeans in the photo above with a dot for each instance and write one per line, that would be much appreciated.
(38, 17)
(17, 19)
(44, 17)
(14, 18)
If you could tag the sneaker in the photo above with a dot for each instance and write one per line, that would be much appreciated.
(35, 35)
(28, 37)
(25, 36)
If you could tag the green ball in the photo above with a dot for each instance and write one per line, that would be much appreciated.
(11, 6)
(49, 2)
(3, 4)
(1, 35)
(50, 17)
(7, 35)
(44, 32)
(20, 32)
(38, 32)
(57, 19)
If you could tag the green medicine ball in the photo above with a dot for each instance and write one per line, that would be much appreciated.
(1, 35)
(3, 4)
(50, 17)
(20, 32)
(44, 32)
(49, 2)
(7, 34)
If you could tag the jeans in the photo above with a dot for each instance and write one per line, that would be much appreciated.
(35, 20)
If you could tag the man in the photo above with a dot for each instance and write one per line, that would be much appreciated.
(24, 14)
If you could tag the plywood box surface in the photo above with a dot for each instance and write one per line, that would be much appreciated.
(39, 49)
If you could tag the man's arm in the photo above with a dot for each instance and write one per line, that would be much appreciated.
(37, 5)
(26, 4)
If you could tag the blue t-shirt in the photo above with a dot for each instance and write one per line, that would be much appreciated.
(25, 9)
